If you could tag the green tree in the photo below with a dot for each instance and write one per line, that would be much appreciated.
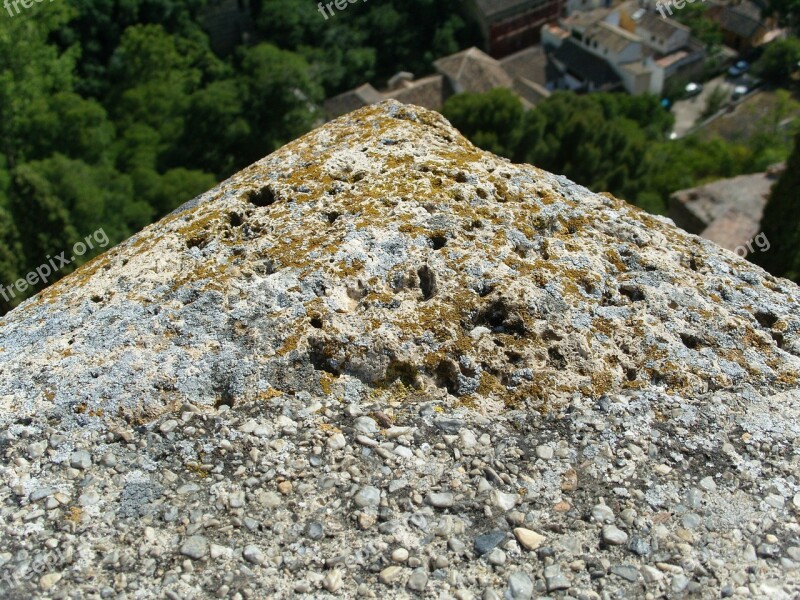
(787, 11)
(368, 39)
(176, 186)
(32, 72)
(780, 223)
(492, 120)
(10, 250)
(779, 61)
(280, 99)
(40, 216)
(215, 129)
(98, 25)
(703, 28)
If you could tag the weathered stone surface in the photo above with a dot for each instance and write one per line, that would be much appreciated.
(396, 237)
(380, 343)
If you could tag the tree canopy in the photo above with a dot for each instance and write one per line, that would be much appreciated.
(607, 142)
(780, 223)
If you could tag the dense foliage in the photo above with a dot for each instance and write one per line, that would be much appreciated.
(780, 223)
(368, 41)
(114, 112)
(780, 61)
(786, 11)
(607, 142)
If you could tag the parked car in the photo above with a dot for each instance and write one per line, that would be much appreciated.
(692, 89)
(739, 91)
(739, 68)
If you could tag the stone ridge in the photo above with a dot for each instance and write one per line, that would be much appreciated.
(385, 250)
(383, 363)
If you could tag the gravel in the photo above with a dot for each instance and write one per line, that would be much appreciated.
(614, 536)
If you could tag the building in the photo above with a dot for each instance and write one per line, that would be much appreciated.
(664, 35)
(728, 211)
(473, 70)
(742, 25)
(512, 25)
(641, 49)
(533, 73)
(525, 73)
(581, 70)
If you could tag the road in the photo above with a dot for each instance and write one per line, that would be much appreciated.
(687, 112)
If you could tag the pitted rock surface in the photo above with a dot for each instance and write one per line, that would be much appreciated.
(382, 362)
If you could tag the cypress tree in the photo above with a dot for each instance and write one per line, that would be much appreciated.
(781, 222)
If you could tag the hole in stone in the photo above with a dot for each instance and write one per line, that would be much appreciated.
(778, 337)
(320, 357)
(427, 282)
(765, 319)
(261, 197)
(631, 374)
(557, 359)
(513, 357)
(198, 241)
(438, 242)
(461, 177)
(332, 216)
(551, 336)
(97, 298)
(225, 399)
(316, 322)
(500, 319)
(481, 193)
(691, 341)
(235, 219)
(404, 372)
(446, 376)
(634, 293)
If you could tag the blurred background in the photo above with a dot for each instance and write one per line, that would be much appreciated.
(115, 112)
